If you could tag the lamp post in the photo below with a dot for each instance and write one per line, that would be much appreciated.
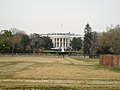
(3, 50)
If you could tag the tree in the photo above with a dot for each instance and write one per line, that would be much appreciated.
(103, 43)
(16, 39)
(76, 43)
(109, 42)
(94, 42)
(25, 41)
(5, 41)
(19, 40)
(87, 39)
(37, 43)
(16, 31)
(47, 43)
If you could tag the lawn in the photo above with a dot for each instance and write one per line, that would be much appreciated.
(56, 73)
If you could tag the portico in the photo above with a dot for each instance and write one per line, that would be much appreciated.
(62, 40)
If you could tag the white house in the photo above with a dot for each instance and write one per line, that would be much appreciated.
(62, 40)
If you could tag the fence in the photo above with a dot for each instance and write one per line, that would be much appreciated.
(110, 60)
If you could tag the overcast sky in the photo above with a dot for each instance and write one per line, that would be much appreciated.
(45, 16)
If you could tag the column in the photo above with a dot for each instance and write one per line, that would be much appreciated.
(68, 42)
(65, 43)
(59, 42)
(53, 40)
(56, 42)
(62, 42)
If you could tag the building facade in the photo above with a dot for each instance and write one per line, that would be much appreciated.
(62, 40)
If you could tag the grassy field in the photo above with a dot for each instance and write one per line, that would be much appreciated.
(56, 73)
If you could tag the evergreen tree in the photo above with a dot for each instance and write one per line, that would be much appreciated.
(87, 39)
(76, 43)
(47, 43)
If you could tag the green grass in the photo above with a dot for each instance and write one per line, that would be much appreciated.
(115, 69)
(98, 66)
(86, 59)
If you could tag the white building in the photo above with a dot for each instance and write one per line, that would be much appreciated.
(61, 40)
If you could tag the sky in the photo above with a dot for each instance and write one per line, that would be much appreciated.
(52, 16)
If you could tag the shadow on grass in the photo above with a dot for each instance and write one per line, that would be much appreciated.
(42, 88)
(62, 88)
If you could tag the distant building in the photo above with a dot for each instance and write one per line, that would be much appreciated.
(62, 40)
(3, 31)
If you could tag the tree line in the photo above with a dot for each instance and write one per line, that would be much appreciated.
(17, 41)
(98, 43)
(102, 43)
(109, 42)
